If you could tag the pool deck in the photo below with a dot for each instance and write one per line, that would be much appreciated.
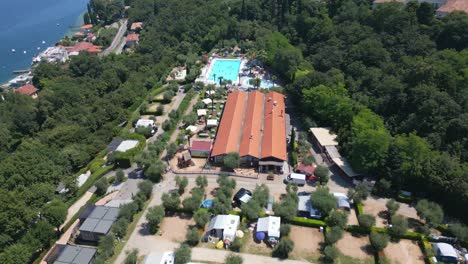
(242, 81)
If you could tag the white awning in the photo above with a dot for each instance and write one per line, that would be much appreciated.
(144, 123)
(192, 129)
(212, 122)
(201, 112)
(207, 101)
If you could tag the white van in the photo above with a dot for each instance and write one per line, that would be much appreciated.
(297, 178)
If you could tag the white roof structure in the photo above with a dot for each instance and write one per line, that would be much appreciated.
(201, 112)
(127, 145)
(227, 223)
(207, 101)
(446, 250)
(212, 122)
(192, 129)
(82, 178)
(340, 161)
(297, 176)
(324, 136)
(270, 224)
(305, 205)
(209, 92)
(144, 123)
(159, 258)
(342, 200)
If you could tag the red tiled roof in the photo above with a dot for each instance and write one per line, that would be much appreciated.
(87, 26)
(136, 25)
(309, 169)
(229, 130)
(454, 5)
(201, 145)
(27, 89)
(274, 127)
(80, 46)
(133, 37)
(251, 133)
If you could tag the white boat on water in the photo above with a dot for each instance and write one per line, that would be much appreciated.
(13, 50)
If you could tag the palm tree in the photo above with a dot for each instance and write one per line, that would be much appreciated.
(220, 78)
(262, 56)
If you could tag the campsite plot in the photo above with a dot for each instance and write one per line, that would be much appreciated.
(404, 252)
(355, 247)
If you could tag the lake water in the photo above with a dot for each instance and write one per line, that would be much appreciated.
(27, 23)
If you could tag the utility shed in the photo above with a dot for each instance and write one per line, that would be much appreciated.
(98, 223)
(66, 254)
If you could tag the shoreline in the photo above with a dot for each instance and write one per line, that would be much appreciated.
(79, 21)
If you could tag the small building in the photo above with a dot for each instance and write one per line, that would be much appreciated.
(28, 89)
(96, 221)
(305, 208)
(86, 28)
(82, 179)
(224, 227)
(52, 55)
(207, 101)
(136, 26)
(61, 188)
(451, 6)
(67, 254)
(83, 46)
(192, 129)
(147, 123)
(308, 170)
(342, 201)
(185, 160)
(271, 227)
(445, 253)
(323, 137)
(132, 40)
(159, 258)
(201, 148)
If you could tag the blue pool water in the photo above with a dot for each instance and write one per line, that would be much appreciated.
(228, 69)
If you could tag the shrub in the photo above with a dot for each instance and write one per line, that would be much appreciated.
(101, 186)
(119, 228)
(233, 259)
(154, 217)
(284, 247)
(337, 218)
(333, 235)
(232, 160)
(132, 257)
(181, 183)
(459, 230)
(201, 181)
(331, 253)
(323, 200)
(144, 131)
(201, 218)
(183, 254)
(285, 229)
(171, 201)
(119, 175)
(431, 212)
(167, 96)
(251, 210)
(360, 193)
(146, 188)
(159, 110)
(399, 225)
(392, 207)
(307, 222)
(378, 240)
(366, 220)
(322, 173)
(192, 237)
(236, 246)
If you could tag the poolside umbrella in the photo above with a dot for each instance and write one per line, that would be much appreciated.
(260, 236)
(239, 234)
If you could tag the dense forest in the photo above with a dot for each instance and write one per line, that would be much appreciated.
(391, 81)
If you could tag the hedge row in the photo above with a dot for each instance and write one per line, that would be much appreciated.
(300, 221)
(404, 199)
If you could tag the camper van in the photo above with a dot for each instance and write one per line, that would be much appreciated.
(297, 178)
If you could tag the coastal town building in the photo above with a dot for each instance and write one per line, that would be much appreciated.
(201, 148)
(52, 55)
(27, 89)
(136, 26)
(86, 28)
(132, 40)
(83, 46)
(253, 125)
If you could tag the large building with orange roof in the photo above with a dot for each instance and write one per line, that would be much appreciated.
(253, 125)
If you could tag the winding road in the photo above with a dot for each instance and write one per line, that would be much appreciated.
(117, 39)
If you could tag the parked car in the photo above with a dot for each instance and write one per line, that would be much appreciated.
(241, 197)
(297, 178)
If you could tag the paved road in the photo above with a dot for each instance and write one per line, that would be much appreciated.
(117, 39)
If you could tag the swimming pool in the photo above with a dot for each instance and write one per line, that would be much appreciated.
(228, 69)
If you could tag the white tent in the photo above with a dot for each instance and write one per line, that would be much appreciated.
(270, 224)
(201, 112)
(207, 101)
(127, 145)
(224, 226)
(82, 178)
(212, 122)
(209, 92)
(192, 129)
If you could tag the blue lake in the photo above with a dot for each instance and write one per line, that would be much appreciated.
(27, 23)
